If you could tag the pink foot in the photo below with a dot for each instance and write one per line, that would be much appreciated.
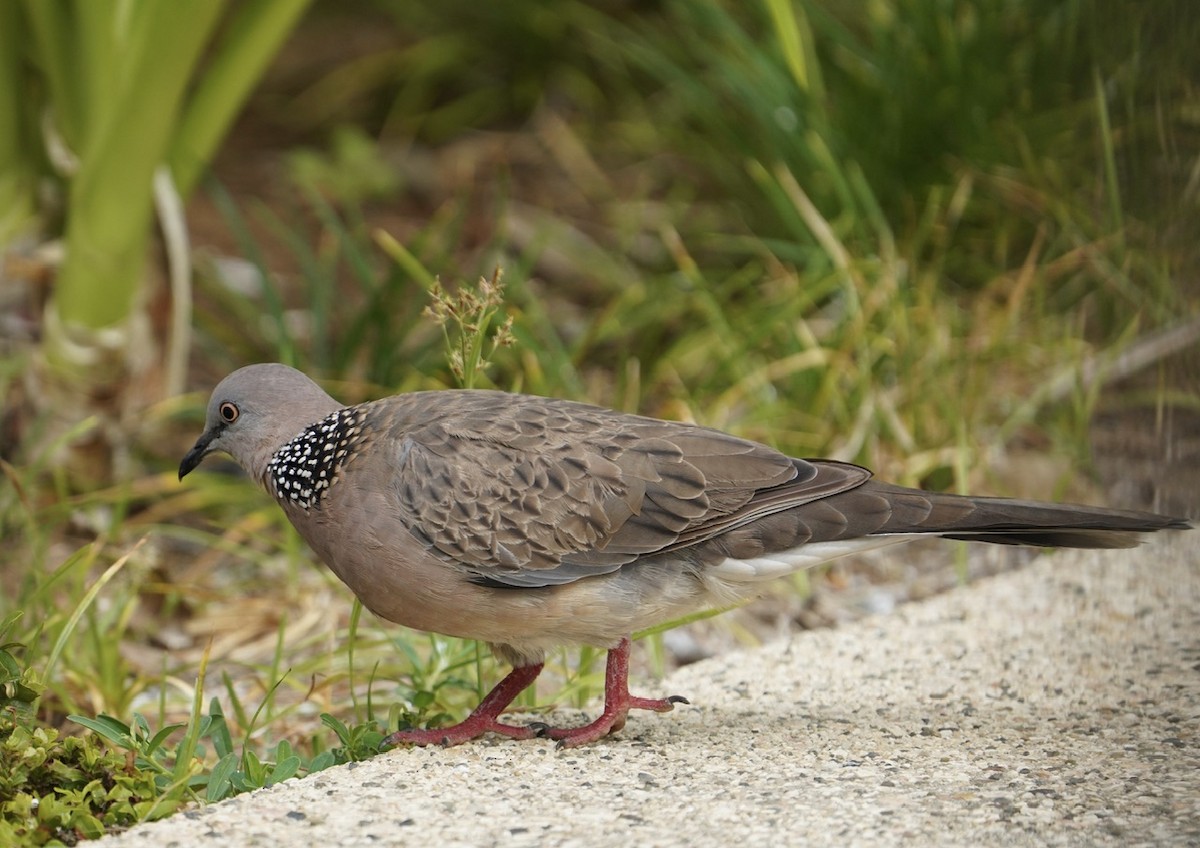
(484, 719)
(617, 704)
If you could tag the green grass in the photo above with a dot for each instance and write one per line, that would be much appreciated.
(817, 227)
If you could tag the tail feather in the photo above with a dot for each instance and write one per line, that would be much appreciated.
(1062, 537)
(1009, 521)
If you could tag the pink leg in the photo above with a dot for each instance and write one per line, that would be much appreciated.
(484, 718)
(617, 703)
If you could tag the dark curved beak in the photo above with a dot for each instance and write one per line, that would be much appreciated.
(196, 454)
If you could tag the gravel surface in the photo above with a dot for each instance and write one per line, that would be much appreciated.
(1055, 705)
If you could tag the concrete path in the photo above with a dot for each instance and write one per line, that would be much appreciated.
(1056, 705)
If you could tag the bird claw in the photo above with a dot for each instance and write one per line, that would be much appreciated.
(464, 731)
(486, 717)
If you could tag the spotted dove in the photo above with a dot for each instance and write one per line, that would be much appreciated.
(528, 523)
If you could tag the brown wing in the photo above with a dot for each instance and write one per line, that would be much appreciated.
(527, 491)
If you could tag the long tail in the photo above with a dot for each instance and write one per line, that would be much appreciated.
(1003, 521)
(870, 514)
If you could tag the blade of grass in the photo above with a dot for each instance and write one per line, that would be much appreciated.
(85, 602)
(251, 38)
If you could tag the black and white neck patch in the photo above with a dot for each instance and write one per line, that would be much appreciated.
(302, 471)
